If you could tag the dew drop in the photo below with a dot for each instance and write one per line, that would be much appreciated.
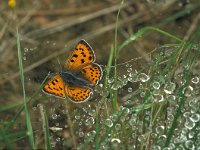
(189, 144)
(81, 134)
(195, 117)
(191, 134)
(101, 85)
(111, 80)
(115, 142)
(189, 123)
(114, 117)
(118, 127)
(195, 80)
(34, 108)
(91, 134)
(143, 77)
(160, 130)
(156, 147)
(58, 139)
(169, 87)
(25, 50)
(129, 69)
(130, 90)
(156, 85)
(54, 116)
(77, 117)
(141, 138)
(90, 121)
(188, 91)
(171, 98)
(109, 122)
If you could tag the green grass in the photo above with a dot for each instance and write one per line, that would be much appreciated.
(28, 119)
(138, 121)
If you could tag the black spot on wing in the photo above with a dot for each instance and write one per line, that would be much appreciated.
(82, 61)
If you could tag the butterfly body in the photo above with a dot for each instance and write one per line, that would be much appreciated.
(79, 76)
(73, 79)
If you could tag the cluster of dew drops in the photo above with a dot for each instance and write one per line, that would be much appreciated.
(188, 129)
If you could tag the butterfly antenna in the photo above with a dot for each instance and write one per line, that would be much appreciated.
(59, 64)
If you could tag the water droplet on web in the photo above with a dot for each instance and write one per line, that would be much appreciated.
(111, 80)
(118, 127)
(81, 134)
(191, 134)
(101, 85)
(188, 91)
(195, 80)
(25, 50)
(195, 117)
(156, 85)
(172, 146)
(34, 108)
(109, 122)
(91, 135)
(143, 77)
(77, 117)
(90, 121)
(160, 130)
(171, 98)
(129, 69)
(189, 123)
(169, 87)
(114, 117)
(115, 86)
(130, 90)
(54, 116)
(189, 144)
(170, 117)
(58, 139)
(141, 138)
(156, 147)
(115, 142)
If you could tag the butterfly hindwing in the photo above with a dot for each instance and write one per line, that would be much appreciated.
(81, 56)
(92, 73)
(78, 94)
(55, 86)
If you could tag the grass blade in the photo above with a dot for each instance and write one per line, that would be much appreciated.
(144, 31)
(28, 120)
(45, 128)
(5, 139)
(11, 106)
(97, 131)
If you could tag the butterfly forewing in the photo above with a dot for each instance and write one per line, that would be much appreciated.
(81, 56)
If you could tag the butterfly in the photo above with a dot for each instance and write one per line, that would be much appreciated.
(79, 76)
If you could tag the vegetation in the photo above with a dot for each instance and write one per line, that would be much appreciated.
(147, 102)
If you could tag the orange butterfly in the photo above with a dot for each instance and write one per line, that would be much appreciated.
(79, 76)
